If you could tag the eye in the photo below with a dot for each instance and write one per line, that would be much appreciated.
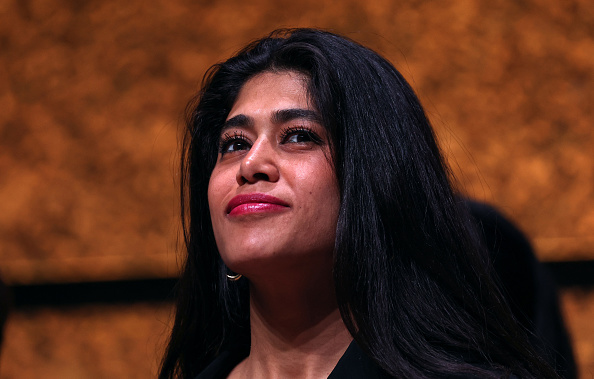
(299, 135)
(231, 143)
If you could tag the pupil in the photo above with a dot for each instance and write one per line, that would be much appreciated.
(302, 137)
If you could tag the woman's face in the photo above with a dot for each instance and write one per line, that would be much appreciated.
(273, 194)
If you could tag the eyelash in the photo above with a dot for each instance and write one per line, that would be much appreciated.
(285, 133)
(229, 138)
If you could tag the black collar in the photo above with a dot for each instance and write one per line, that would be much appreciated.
(353, 364)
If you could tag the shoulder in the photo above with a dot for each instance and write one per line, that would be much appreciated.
(354, 363)
(474, 376)
(222, 365)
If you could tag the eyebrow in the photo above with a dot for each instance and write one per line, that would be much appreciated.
(278, 117)
(286, 115)
(238, 121)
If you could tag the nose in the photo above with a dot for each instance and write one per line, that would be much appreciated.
(260, 163)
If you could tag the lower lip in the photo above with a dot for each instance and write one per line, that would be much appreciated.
(256, 208)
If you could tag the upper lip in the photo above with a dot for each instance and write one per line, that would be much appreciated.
(254, 198)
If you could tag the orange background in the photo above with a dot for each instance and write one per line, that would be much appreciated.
(91, 94)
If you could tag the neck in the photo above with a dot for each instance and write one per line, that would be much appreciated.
(296, 331)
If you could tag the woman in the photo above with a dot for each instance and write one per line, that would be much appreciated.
(323, 236)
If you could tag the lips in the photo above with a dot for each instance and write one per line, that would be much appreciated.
(255, 203)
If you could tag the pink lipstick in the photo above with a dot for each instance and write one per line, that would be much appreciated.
(255, 203)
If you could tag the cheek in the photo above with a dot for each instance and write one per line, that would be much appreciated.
(331, 195)
(216, 194)
(217, 188)
(219, 181)
(323, 192)
(211, 197)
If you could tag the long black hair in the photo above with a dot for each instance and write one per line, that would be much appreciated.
(411, 281)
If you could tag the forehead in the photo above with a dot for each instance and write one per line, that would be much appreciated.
(271, 91)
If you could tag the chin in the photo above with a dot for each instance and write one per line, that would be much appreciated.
(244, 259)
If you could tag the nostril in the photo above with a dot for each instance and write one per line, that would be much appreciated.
(261, 176)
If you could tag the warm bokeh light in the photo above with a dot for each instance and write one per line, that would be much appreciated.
(92, 94)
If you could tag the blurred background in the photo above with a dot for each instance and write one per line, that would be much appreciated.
(91, 98)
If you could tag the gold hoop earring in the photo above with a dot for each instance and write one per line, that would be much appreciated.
(234, 278)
